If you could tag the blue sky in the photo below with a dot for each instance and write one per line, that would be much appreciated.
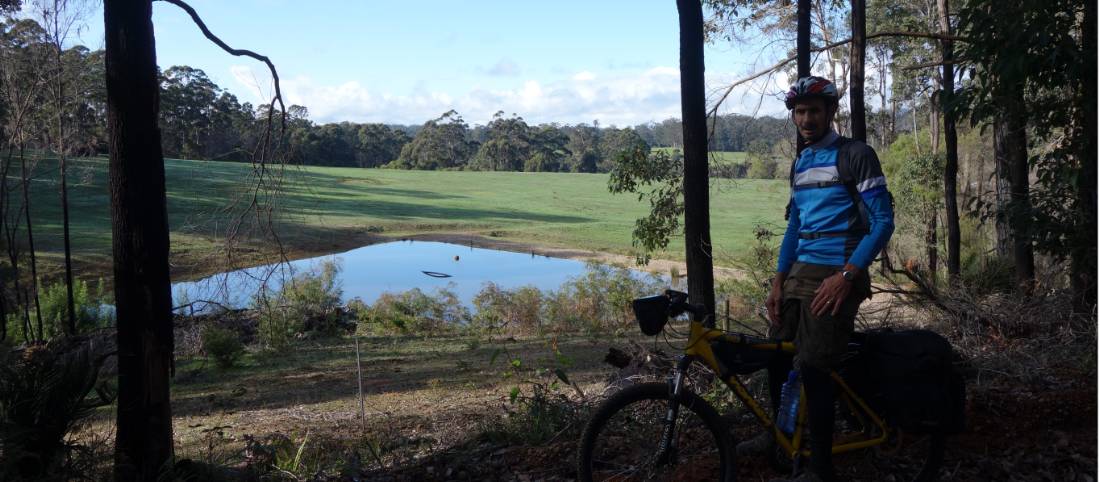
(565, 61)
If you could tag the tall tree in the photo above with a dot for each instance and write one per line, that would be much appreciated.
(440, 144)
(802, 50)
(59, 18)
(700, 269)
(857, 61)
(139, 219)
(508, 146)
(1083, 251)
(951, 143)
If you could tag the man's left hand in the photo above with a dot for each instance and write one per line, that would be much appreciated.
(830, 295)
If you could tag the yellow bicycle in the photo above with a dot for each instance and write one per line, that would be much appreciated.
(664, 431)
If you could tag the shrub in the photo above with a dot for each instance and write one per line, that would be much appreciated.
(413, 311)
(44, 394)
(518, 309)
(543, 404)
(747, 294)
(308, 301)
(90, 310)
(314, 297)
(223, 345)
(601, 299)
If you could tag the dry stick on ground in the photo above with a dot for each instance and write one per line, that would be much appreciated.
(927, 291)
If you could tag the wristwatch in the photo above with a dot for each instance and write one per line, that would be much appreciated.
(848, 275)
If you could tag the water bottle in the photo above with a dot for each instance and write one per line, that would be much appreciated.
(788, 403)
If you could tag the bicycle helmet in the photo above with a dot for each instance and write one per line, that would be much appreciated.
(812, 87)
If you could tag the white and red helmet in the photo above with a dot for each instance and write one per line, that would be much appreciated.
(812, 87)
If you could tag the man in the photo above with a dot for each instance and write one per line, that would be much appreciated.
(840, 217)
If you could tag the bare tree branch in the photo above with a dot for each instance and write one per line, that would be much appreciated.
(266, 183)
(236, 52)
(784, 62)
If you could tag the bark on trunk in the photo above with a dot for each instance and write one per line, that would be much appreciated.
(139, 221)
(931, 244)
(700, 269)
(1011, 138)
(802, 44)
(1002, 191)
(859, 50)
(70, 326)
(1083, 255)
(30, 244)
(916, 129)
(934, 123)
(802, 52)
(951, 147)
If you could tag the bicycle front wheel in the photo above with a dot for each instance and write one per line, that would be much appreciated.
(620, 442)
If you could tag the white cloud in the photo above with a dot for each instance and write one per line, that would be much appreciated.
(503, 68)
(613, 98)
(584, 75)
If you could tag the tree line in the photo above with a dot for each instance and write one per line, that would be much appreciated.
(201, 120)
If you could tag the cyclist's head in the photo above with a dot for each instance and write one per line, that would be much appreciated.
(812, 88)
(812, 101)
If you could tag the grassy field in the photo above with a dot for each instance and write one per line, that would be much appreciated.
(331, 209)
(715, 156)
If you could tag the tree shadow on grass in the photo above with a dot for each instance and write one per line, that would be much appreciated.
(326, 371)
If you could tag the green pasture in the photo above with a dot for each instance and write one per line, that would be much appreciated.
(332, 209)
(714, 156)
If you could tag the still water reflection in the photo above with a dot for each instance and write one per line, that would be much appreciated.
(369, 271)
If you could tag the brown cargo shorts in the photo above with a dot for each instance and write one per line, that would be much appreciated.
(822, 341)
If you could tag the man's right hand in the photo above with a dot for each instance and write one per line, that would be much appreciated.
(774, 298)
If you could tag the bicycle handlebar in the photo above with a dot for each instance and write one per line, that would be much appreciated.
(678, 304)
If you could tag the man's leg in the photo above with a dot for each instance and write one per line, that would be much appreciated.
(820, 395)
(823, 343)
(778, 368)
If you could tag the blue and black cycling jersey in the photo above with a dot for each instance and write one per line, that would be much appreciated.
(840, 211)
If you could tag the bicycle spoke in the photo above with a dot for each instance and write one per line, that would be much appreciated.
(627, 449)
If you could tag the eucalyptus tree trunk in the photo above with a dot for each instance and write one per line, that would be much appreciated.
(1001, 191)
(139, 220)
(931, 245)
(30, 242)
(802, 52)
(700, 267)
(1010, 139)
(951, 146)
(1083, 254)
(70, 326)
(858, 59)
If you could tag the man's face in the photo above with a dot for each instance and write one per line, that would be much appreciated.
(812, 117)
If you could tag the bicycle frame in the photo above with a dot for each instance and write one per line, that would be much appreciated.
(698, 348)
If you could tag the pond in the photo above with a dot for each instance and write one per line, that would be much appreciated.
(393, 267)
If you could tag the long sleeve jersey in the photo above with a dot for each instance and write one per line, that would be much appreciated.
(840, 210)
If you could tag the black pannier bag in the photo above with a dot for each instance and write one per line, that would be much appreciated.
(908, 377)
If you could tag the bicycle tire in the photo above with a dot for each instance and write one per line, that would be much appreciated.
(649, 400)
